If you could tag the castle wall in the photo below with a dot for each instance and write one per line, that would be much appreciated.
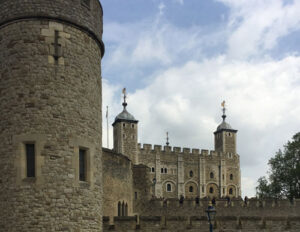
(117, 183)
(170, 215)
(191, 173)
(53, 102)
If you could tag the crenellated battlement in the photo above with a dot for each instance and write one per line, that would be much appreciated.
(236, 215)
(154, 149)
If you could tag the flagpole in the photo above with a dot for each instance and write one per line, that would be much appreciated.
(107, 127)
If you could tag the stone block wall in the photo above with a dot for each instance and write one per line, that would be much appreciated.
(117, 182)
(50, 96)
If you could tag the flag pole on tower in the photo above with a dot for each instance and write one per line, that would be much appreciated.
(107, 127)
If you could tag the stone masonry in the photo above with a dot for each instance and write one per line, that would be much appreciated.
(50, 96)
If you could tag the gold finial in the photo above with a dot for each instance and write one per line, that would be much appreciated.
(224, 110)
(125, 96)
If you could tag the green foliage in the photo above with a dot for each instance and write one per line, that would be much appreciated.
(284, 177)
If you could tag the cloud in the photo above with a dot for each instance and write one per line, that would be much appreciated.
(186, 75)
(161, 8)
(258, 25)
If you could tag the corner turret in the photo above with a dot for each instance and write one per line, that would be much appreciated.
(125, 133)
(225, 136)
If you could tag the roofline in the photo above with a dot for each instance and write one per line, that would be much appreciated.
(227, 130)
(124, 120)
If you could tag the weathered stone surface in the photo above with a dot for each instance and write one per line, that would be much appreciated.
(54, 103)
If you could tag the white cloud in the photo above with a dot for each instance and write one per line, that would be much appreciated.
(257, 25)
(183, 95)
(161, 8)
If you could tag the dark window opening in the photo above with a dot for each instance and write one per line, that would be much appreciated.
(123, 124)
(191, 174)
(162, 170)
(166, 170)
(132, 125)
(231, 177)
(169, 187)
(30, 160)
(211, 175)
(123, 209)
(119, 209)
(191, 189)
(230, 191)
(126, 210)
(82, 165)
(211, 190)
(223, 190)
(152, 169)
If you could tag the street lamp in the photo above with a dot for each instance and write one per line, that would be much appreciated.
(211, 213)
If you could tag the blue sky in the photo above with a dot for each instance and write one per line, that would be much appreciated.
(179, 59)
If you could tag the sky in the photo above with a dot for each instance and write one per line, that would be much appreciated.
(179, 59)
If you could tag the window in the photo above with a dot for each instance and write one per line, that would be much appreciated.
(211, 190)
(230, 191)
(126, 210)
(203, 189)
(166, 170)
(132, 125)
(30, 160)
(231, 177)
(191, 189)
(119, 209)
(162, 170)
(82, 165)
(223, 190)
(152, 169)
(223, 176)
(211, 175)
(169, 188)
(123, 136)
(124, 124)
(191, 174)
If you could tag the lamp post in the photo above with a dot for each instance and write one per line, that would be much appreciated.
(211, 213)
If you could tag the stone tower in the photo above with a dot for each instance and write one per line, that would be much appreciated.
(50, 121)
(125, 133)
(225, 136)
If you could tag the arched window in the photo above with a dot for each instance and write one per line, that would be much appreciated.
(211, 190)
(191, 189)
(230, 191)
(231, 177)
(191, 174)
(166, 170)
(123, 209)
(119, 209)
(152, 169)
(126, 210)
(169, 187)
(211, 175)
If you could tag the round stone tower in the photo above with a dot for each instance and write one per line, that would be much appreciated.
(50, 121)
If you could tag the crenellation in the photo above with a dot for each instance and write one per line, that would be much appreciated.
(157, 148)
(147, 147)
(195, 151)
(186, 150)
(177, 149)
(167, 149)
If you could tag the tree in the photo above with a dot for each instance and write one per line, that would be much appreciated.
(284, 176)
